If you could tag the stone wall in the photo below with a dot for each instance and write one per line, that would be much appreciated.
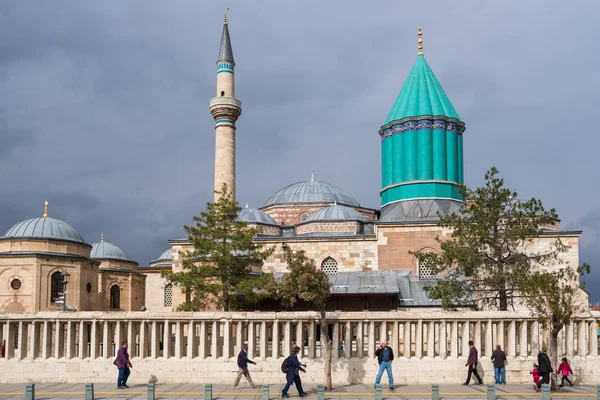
(329, 227)
(290, 214)
(431, 347)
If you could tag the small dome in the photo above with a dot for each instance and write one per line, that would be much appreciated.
(44, 228)
(311, 192)
(167, 255)
(254, 216)
(107, 251)
(336, 213)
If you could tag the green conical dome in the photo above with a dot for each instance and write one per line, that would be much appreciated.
(421, 95)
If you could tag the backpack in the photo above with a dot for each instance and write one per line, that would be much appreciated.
(115, 362)
(284, 366)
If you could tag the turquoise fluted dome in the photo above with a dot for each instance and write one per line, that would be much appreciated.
(107, 251)
(335, 212)
(421, 95)
(44, 228)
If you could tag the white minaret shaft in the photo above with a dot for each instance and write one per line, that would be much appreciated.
(225, 109)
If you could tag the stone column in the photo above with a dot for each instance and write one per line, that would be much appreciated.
(372, 345)
(251, 339)
(143, 339)
(131, 337)
(239, 338)
(570, 329)
(70, 345)
(154, 345)
(407, 340)
(466, 336)
(94, 343)
(264, 340)
(202, 349)
(167, 340)
(430, 339)
(523, 350)
(118, 336)
(300, 336)
(58, 342)
(191, 339)
(227, 339)
(489, 339)
(287, 338)
(512, 339)
(383, 332)
(312, 351)
(581, 338)
(476, 331)
(105, 340)
(9, 349)
(34, 341)
(82, 341)
(500, 335)
(213, 341)
(275, 339)
(360, 344)
(593, 345)
(178, 340)
(419, 340)
(454, 340)
(443, 340)
(20, 342)
(335, 342)
(46, 339)
(348, 340)
(535, 338)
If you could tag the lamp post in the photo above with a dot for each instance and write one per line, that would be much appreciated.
(65, 280)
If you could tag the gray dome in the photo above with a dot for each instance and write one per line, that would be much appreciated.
(311, 192)
(254, 216)
(107, 251)
(336, 213)
(167, 255)
(421, 210)
(44, 228)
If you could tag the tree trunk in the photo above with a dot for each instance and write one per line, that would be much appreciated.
(326, 351)
(553, 355)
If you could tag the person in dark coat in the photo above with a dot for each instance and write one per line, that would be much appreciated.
(499, 359)
(544, 367)
(123, 364)
(385, 356)
(472, 363)
(292, 374)
(242, 362)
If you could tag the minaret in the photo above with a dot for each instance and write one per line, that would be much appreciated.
(225, 109)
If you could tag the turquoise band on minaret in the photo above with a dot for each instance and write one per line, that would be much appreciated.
(421, 141)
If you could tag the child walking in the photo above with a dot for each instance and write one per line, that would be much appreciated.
(564, 369)
(536, 378)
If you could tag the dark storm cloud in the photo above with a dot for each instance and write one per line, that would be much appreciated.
(104, 105)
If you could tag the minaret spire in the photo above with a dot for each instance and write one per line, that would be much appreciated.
(420, 42)
(225, 109)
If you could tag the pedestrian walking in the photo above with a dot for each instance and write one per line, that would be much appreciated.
(385, 356)
(3, 348)
(564, 369)
(536, 378)
(472, 363)
(499, 359)
(123, 364)
(292, 367)
(544, 367)
(242, 362)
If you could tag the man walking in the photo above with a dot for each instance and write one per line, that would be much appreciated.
(544, 367)
(123, 364)
(499, 359)
(385, 356)
(292, 373)
(472, 363)
(242, 362)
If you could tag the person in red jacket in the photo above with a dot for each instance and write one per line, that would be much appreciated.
(536, 378)
(564, 369)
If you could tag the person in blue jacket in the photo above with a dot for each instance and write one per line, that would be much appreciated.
(292, 374)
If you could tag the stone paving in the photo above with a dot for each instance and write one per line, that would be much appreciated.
(104, 391)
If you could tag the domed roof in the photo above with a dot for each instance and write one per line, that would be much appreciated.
(167, 255)
(336, 213)
(311, 192)
(254, 216)
(107, 251)
(44, 228)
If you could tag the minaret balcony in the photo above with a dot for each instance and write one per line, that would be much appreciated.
(223, 106)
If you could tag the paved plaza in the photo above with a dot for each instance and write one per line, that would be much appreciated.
(196, 391)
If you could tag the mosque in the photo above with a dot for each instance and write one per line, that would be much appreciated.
(364, 251)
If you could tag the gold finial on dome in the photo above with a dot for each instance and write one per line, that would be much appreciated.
(46, 209)
(102, 238)
(420, 41)
(225, 16)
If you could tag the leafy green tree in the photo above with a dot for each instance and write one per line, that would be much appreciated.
(554, 298)
(218, 268)
(487, 256)
(305, 282)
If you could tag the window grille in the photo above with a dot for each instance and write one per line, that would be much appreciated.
(56, 286)
(424, 268)
(329, 266)
(168, 295)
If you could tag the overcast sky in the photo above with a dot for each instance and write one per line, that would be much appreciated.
(104, 105)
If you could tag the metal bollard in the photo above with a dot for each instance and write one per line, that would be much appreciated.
(598, 392)
(151, 391)
(546, 392)
(89, 391)
(435, 391)
(320, 392)
(378, 394)
(208, 391)
(491, 392)
(265, 391)
(30, 391)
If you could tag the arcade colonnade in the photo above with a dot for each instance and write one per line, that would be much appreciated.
(201, 347)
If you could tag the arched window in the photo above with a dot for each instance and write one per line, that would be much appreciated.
(168, 301)
(115, 297)
(329, 266)
(222, 93)
(424, 269)
(303, 216)
(56, 286)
